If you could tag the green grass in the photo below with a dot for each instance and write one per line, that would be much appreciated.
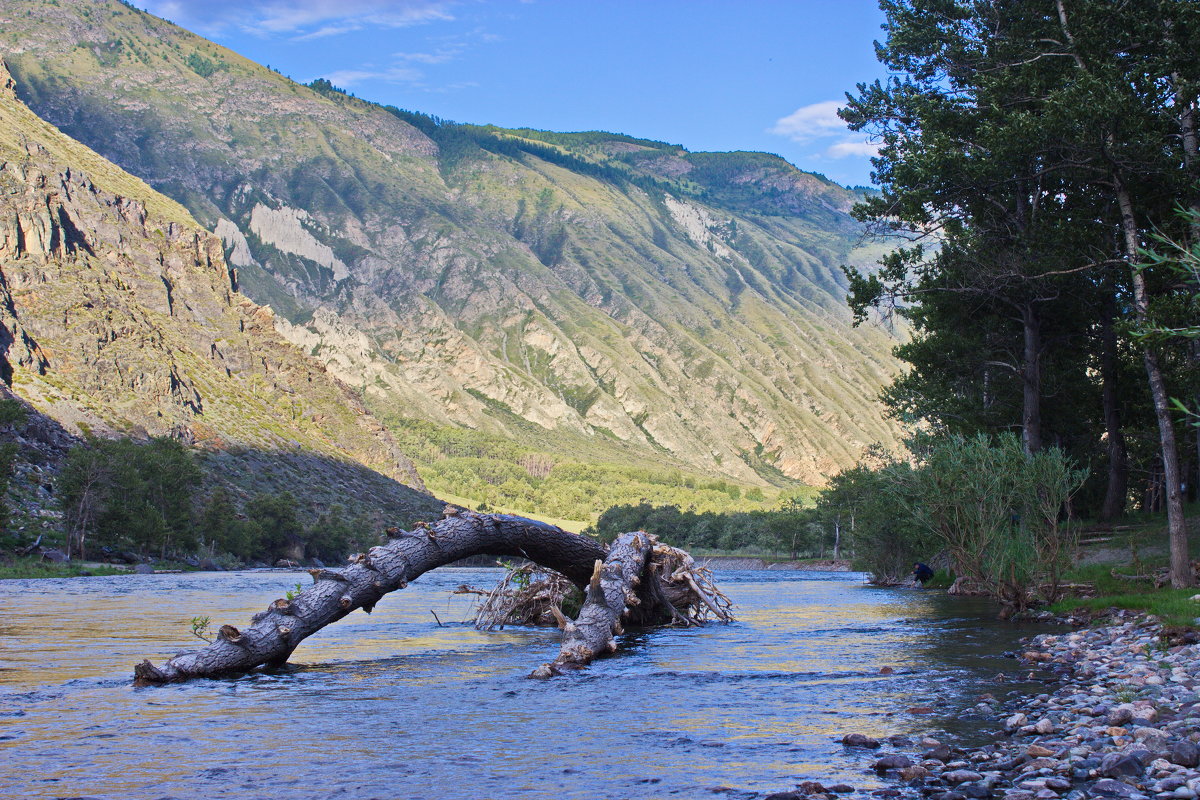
(1173, 607)
(25, 568)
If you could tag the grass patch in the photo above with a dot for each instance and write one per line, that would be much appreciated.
(1173, 607)
(26, 568)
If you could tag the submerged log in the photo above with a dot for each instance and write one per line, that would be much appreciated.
(276, 632)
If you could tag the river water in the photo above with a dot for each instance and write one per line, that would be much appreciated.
(394, 706)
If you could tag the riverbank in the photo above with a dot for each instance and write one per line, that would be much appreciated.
(1124, 722)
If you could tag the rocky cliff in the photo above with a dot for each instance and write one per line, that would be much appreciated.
(120, 316)
(601, 287)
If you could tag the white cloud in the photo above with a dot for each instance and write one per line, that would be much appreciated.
(305, 18)
(819, 123)
(440, 57)
(810, 122)
(851, 148)
(345, 78)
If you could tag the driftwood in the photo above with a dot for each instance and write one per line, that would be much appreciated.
(611, 594)
(677, 591)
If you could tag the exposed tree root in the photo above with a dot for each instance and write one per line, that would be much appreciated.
(527, 595)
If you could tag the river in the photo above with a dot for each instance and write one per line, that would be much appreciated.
(392, 705)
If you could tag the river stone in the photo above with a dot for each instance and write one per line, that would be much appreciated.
(892, 762)
(961, 776)
(1015, 721)
(1037, 751)
(1044, 726)
(1185, 753)
(143, 569)
(939, 753)
(840, 788)
(859, 740)
(1120, 715)
(1110, 788)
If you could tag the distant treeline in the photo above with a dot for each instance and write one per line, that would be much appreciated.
(791, 530)
(121, 496)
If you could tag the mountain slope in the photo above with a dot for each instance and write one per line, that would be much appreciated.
(616, 292)
(118, 316)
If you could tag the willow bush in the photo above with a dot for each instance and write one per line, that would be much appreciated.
(999, 513)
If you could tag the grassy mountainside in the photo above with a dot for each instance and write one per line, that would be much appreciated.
(593, 295)
(118, 317)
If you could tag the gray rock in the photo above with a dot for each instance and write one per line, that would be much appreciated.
(859, 740)
(143, 569)
(1110, 788)
(962, 776)
(1185, 753)
(1121, 715)
(54, 555)
(940, 753)
(1116, 765)
(892, 762)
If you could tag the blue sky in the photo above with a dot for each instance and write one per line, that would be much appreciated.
(707, 74)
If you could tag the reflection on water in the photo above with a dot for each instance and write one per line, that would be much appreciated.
(392, 705)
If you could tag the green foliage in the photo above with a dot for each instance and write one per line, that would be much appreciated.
(224, 530)
(334, 535)
(1174, 607)
(202, 66)
(870, 506)
(495, 472)
(996, 509)
(789, 530)
(33, 568)
(121, 493)
(276, 524)
(12, 412)
(200, 626)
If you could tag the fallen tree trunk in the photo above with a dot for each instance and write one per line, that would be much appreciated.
(609, 598)
(276, 632)
(636, 580)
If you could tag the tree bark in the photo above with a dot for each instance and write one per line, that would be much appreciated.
(276, 632)
(610, 597)
(1031, 380)
(1181, 568)
(1117, 491)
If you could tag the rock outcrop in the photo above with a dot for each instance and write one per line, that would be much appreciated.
(120, 316)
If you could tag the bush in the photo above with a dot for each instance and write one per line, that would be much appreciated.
(996, 510)
(873, 510)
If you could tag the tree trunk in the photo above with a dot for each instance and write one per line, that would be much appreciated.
(276, 632)
(1181, 569)
(1031, 380)
(619, 583)
(609, 599)
(1117, 491)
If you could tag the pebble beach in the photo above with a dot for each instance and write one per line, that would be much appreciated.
(1123, 721)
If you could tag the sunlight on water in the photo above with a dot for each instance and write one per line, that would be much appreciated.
(392, 705)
